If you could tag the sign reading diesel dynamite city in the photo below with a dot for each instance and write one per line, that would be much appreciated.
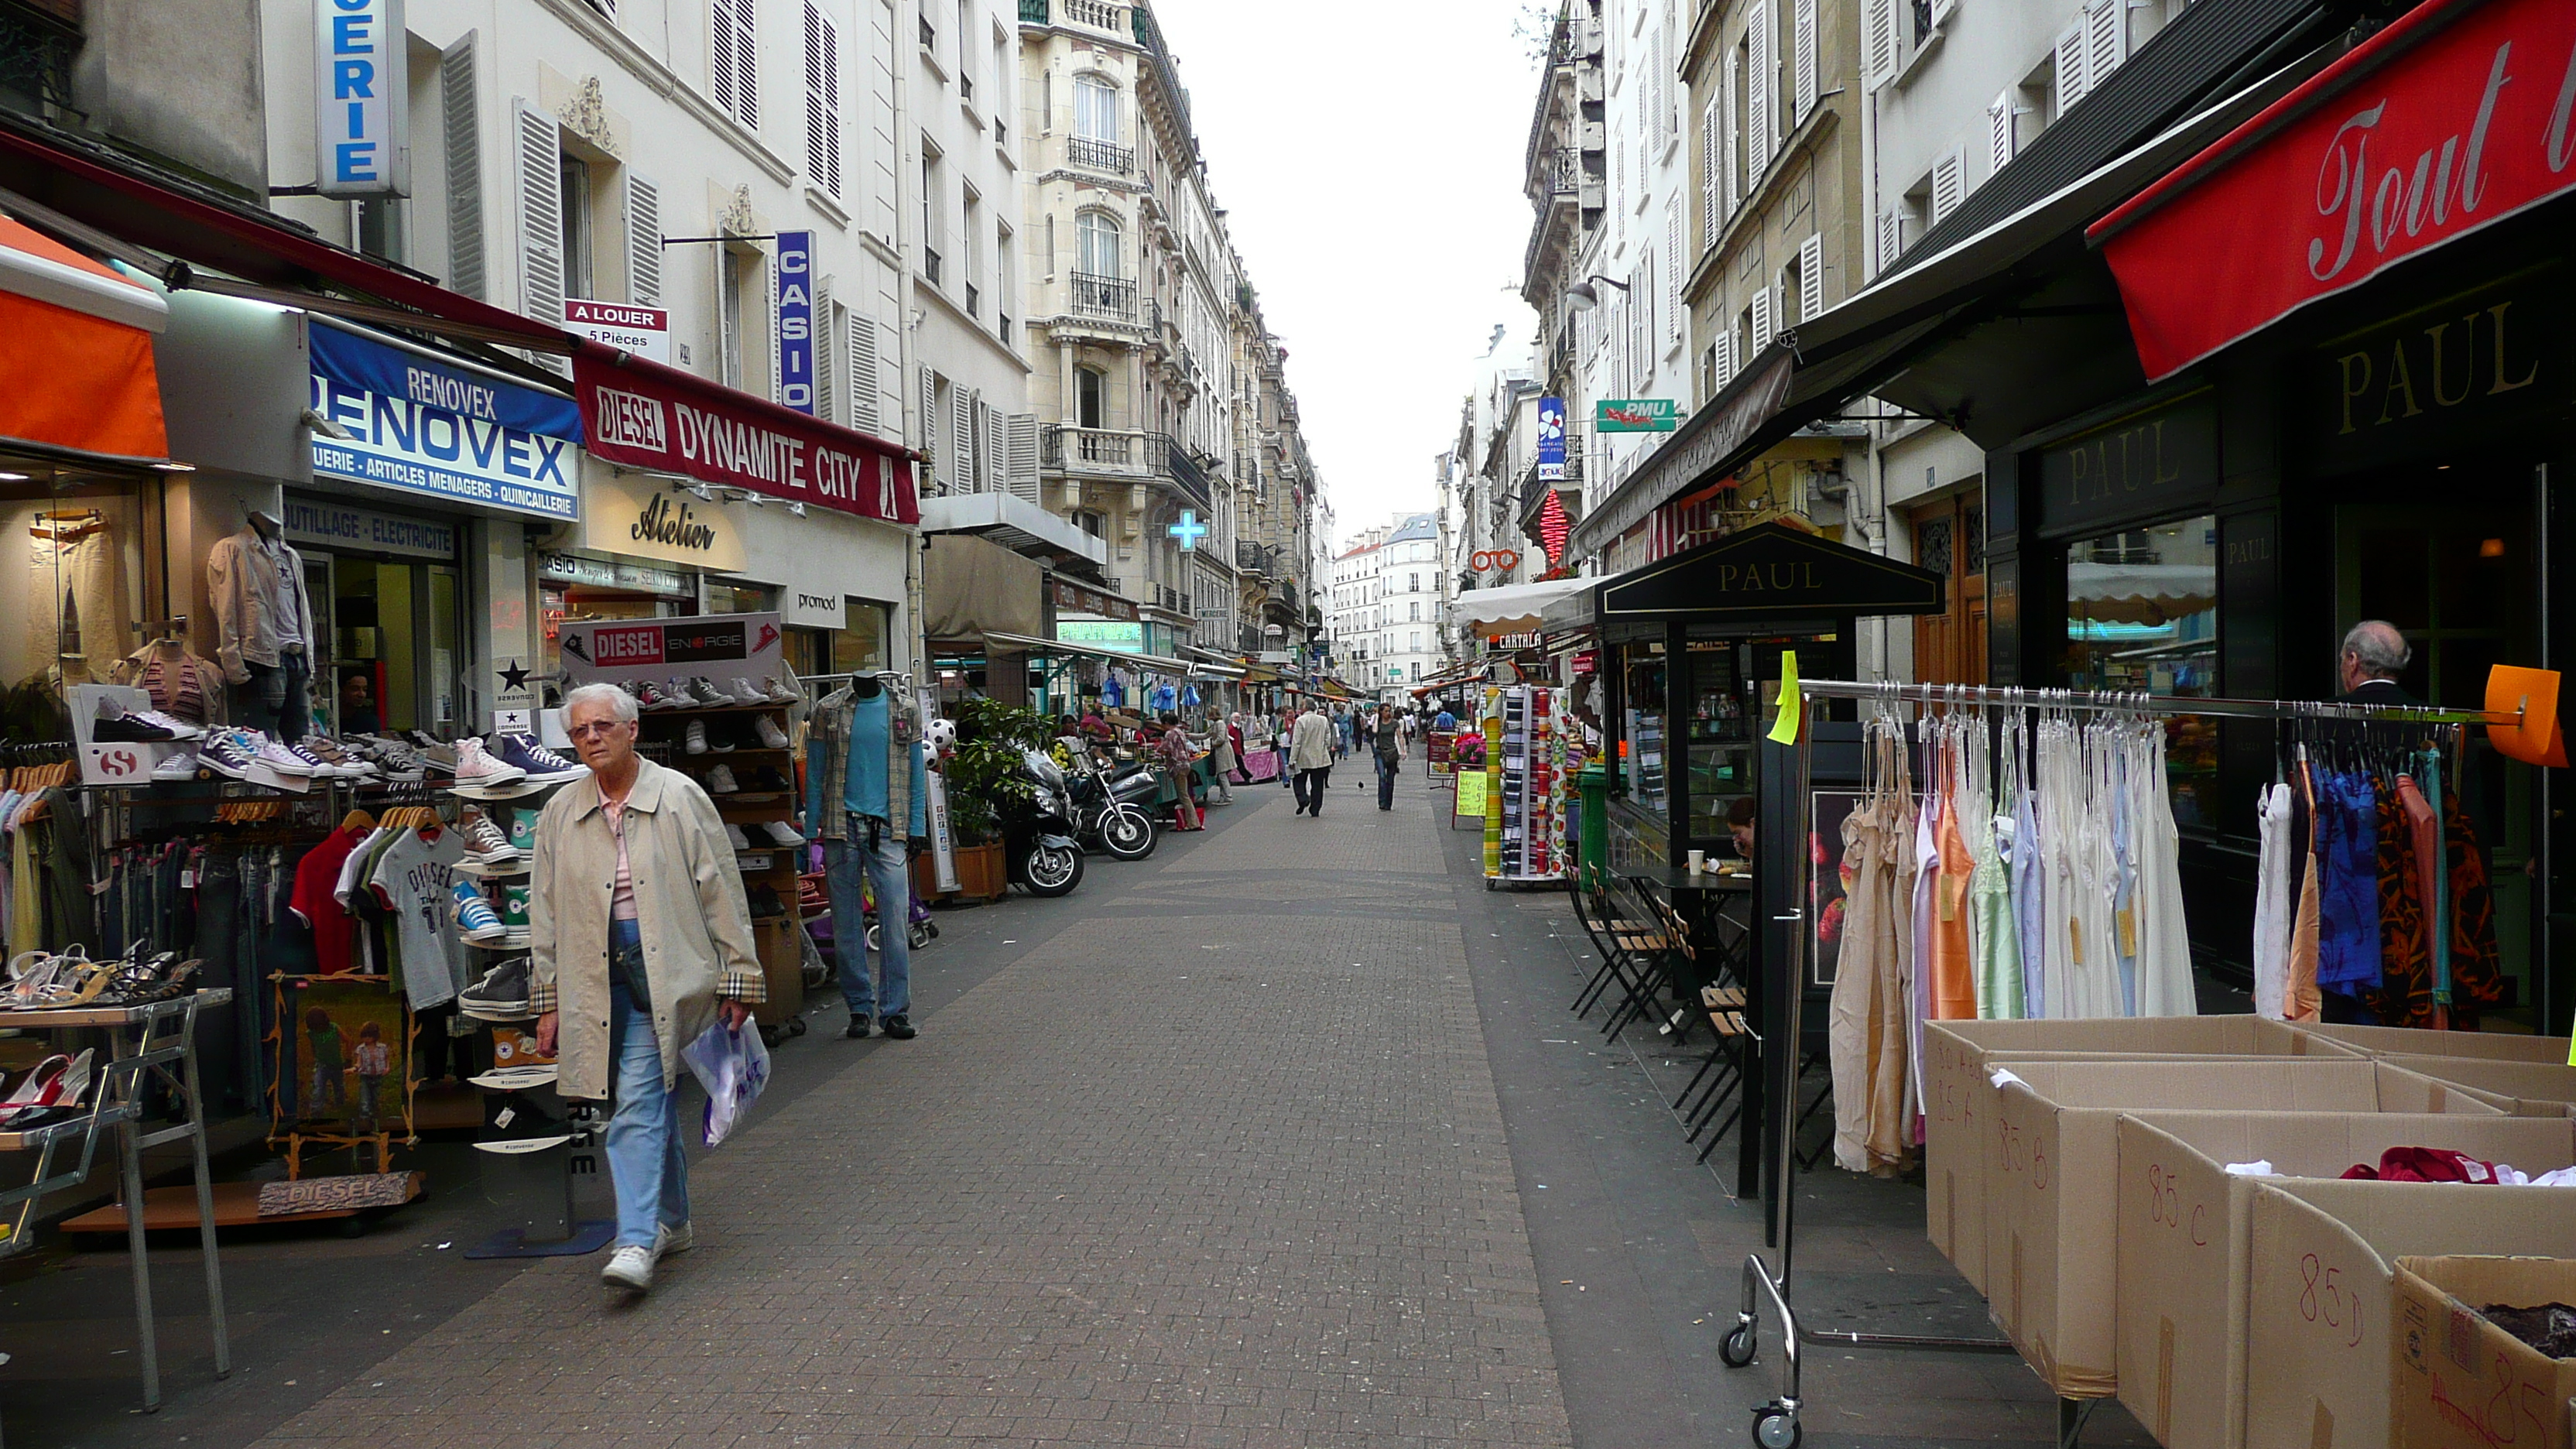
(2453, 118)
(648, 416)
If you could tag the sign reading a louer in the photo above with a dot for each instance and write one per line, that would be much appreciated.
(644, 331)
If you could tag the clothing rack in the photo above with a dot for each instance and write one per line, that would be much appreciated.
(1775, 1425)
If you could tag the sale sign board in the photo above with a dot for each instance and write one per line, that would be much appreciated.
(720, 647)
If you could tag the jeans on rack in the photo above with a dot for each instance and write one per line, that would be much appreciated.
(871, 850)
(645, 1162)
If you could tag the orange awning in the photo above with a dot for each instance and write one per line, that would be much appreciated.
(76, 366)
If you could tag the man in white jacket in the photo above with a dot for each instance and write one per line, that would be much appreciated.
(1310, 754)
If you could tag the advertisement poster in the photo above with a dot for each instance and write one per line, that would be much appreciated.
(1551, 440)
(717, 646)
(943, 840)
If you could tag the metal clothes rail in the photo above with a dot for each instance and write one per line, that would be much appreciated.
(1775, 1425)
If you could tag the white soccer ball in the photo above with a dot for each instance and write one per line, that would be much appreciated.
(942, 735)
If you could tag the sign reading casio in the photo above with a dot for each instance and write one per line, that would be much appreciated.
(361, 99)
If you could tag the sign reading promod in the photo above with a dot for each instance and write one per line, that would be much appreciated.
(648, 416)
(361, 99)
(419, 426)
(1635, 415)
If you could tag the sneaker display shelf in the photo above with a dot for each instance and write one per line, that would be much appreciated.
(762, 771)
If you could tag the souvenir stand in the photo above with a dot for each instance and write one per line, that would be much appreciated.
(1533, 748)
(2520, 718)
(1694, 647)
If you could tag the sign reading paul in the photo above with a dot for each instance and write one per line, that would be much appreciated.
(1635, 415)
(361, 99)
(418, 426)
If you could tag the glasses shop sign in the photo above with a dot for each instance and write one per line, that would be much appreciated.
(717, 646)
(404, 422)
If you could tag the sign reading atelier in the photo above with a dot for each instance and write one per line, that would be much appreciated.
(361, 99)
(446, 432)
(2456, 116)
(2150, 463)
(644, 415)
(1769, 571)
(641, 517)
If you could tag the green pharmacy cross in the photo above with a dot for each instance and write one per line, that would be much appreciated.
(1189, 530)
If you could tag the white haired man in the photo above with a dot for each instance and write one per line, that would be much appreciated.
(640, 937)
(2373, 655)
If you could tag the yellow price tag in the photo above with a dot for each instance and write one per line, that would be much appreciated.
(1784, 728)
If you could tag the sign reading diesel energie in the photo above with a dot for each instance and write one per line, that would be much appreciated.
(1635, 415)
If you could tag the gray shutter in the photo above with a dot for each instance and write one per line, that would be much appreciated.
(2106, 40)
(865, 413)
(996, 452)
(1811, 278)
(822, 100)
(733, 56)
(1710, 140)
(826, 332)
(643, 241)
(464, 136)
(961, 433)
(541, 259)
(1891, 237)
(1999, 133)
(1809, 77)
(1761, 83)
(1878, 41)
(769, 345)
(1024, 455)
(2073, 78)
(1674, 272)
(1946, 187)
(929, 406)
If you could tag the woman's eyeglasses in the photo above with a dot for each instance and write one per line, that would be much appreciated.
(596, 728)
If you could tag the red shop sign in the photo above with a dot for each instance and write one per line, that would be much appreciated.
(645, 415)
(2447, 122)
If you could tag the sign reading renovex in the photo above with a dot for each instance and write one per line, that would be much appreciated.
(420, 426)
(2456, 116)
(647, 416)
(1635, 415)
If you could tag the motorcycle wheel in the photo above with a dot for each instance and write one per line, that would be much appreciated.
(920, 934)
(1051, 870)
(1128, 833)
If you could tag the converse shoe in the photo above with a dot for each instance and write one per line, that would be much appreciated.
(765, 903)
(778, 693)
(514, 907)
(703, 691)
(696, 743)
(398, 764)
(671, 1239)
(228, 754)
(485, 842)
(477, 768)
(771, 736)
(543, 766)
(178, 728)
(523, 831)
(436, 758)
(334, 759)
(502, 994)
(476, 921)
(114, 726)
(744, 692)
(278, 756)
(740, 841)
(649, 695)
(720, 781)
(782, 834)
(629, 1268)
(177, 769)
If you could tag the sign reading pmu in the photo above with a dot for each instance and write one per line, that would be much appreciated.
(361, 99)
(796, 321)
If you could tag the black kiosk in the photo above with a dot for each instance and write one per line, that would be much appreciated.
(1693, 646)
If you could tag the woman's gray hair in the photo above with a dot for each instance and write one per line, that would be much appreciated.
(621, 705)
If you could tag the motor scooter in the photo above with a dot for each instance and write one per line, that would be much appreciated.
(1108, 801)
(1038, 843)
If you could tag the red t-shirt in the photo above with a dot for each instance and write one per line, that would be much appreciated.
(316, 877)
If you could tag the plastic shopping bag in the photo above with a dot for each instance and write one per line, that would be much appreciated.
(733, 1065)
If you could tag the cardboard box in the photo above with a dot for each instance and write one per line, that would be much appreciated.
(2492, 1046)
(2529, 1089)
(2052, 1175)
(2185, 1231)
(1957, 1095)
(2460, 1382)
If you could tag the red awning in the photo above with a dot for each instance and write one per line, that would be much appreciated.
(645, 415)
(2447, 122)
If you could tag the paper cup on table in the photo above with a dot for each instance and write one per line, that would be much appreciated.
(1698, 861)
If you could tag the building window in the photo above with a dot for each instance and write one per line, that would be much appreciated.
(1090, 397)
(573, 185)
(1095, 110)
(733, 60)
(729, 295)
(1098, 251)
(931, 236)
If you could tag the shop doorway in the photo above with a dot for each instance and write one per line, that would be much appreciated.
(391, 646)
(1950, 540)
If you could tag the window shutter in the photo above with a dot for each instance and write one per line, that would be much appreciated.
(2072, 75)
(865, 412)
(1809, 77)
(1811, 278)
(1709, 141)
(1024, 455)
(720, 86)
(541, 259)
(1891, 237)
(929, 406)
(1674, 272)
(993, 458)
(1762, 320)
(1726, 360)
(1945, 187)
(733, 59)
(1729, 176)
(1999, 133)
(1761, 83)
(827, 346)
(643, 240)
(1878, 41)
(822, 100)
(463, 125)
(2106, 40)
(961, 434)
(769, 346)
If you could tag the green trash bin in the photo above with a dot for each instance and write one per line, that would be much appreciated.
(1592, 857)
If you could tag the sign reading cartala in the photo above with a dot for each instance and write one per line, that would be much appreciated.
(1635, 415)
(420, 426)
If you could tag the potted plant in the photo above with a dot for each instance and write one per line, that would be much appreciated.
(984, 774)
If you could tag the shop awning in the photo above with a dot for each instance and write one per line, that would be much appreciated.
(1016, 524)
(1223, 666)
(2139, 593)
(1769, 571)
(77, 372)
(975, 589)
(1511, 609)
(2316, 195)
(1031, 644)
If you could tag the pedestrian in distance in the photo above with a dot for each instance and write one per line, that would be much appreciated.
(1310, 753)
(1287, 723)
(1341, 731)
(1234, 737)
(1178, 755)
(1223, 761)
(635, 853)
(1390, 758)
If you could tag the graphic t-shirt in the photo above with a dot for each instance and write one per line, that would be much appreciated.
(413, 878)
(316, 877)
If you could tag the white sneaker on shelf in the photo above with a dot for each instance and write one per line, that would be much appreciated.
(779, 693)
(476, 768)
(782, 834)
(720, 781)
(175, 725)
(740, 840)
(629, 1268)
(747, 692)
(284, 761)
(697, 738)
(770, 734)
(178, 768)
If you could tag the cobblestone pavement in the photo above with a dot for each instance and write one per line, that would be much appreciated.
(1220, 1162)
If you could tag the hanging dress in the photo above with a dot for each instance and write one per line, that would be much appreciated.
(2030, 905)
(1954, 967)
(2301, 998)
(2274, 902)
(1994, 936)
(2163, 937)
(2404, 993)
(1870, 1008)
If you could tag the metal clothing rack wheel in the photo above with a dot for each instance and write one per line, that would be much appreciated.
(1775, 1424)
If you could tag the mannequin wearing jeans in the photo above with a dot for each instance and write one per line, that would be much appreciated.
(853, 799)
(264, 620)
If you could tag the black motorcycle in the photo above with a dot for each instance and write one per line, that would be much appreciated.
(1109, 800)
(1037, 832)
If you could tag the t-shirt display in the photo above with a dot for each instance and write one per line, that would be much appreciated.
(414, 878)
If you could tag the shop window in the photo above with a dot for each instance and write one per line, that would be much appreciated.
(861, 644)
(733, 598)
(2142, 614)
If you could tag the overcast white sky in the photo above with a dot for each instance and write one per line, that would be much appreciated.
(1371, 169)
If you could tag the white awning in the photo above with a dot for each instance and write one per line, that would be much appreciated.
(1513, 608)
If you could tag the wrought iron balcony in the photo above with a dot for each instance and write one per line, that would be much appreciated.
(1100, 156)
(1098, 296)
(1142, 456)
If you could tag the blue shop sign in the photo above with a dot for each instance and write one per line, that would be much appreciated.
(421, 427)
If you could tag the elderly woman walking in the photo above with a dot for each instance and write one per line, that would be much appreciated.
(639, 938)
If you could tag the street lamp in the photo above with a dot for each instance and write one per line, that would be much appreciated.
(1582, 296)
